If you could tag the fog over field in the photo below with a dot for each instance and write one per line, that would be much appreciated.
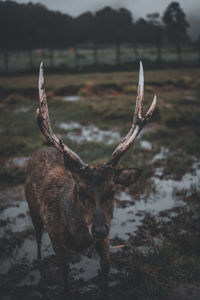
(139, 8)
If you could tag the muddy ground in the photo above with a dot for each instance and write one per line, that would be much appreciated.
(155, 234)
(138, 228)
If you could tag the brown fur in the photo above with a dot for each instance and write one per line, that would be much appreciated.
(69, 203)
(75, 201)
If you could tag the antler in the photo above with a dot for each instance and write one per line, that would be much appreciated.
(137, 125)
(71, 158)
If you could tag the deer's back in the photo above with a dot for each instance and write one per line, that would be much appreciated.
(43, 162)
(48, 182)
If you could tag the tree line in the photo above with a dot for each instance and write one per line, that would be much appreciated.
(32, 26)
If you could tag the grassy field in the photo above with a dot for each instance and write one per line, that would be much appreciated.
(163, 256)
(106, 100)
(83, 57)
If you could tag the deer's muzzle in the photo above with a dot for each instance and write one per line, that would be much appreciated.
(99, 228)
(99, 232)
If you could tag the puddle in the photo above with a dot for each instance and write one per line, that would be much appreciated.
(161, 155)
(29, 248)
(19, 162)
(71, 98)
(12, 212)
(32, 278)
(79, 133)
(86, 268)
(27, 253)
(70, 126)
(17, 218)
(146, 145)
(126, 220)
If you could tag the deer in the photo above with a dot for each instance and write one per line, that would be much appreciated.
(73, 200)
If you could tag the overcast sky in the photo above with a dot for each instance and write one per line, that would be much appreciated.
(139, 8)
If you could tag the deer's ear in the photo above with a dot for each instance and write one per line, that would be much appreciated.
(127, 176)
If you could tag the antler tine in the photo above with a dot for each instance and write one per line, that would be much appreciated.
(137, 124)
(43, 120)
(140, 94)
(151, 108)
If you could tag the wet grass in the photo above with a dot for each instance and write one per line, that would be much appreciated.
(178, 120)
(149, 268)
(156, 268)
(183, 78)
(177, 115)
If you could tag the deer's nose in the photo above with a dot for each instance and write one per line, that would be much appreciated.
(99, 232)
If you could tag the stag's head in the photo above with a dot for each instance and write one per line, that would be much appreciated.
(94, 187)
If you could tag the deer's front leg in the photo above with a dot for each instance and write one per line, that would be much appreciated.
(102, 247)
(62, 258)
